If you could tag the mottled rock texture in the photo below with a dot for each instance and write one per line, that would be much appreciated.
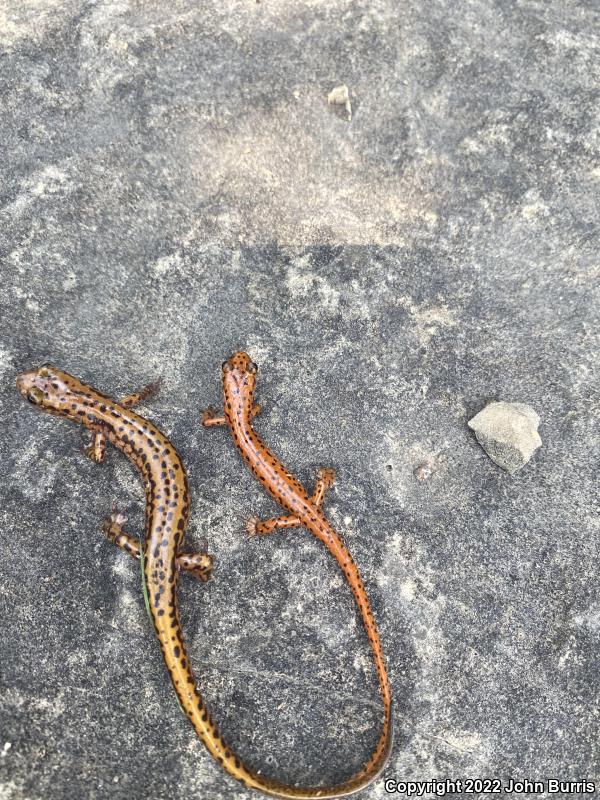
(174, 185)
(508, 432)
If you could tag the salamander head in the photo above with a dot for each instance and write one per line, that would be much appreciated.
(50, 389)
(239, 378)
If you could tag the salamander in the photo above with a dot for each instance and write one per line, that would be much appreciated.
(239, 381)
(167, 511)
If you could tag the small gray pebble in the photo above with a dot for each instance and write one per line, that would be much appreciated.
(508, 433)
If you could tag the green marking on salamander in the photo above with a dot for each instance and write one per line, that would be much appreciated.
(144, 585)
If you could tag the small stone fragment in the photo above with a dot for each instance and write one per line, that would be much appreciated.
(340, 96)
(423, 472)
(508, 433)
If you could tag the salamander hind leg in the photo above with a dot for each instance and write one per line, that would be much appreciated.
(255, 526)
(325, 480)
(112, 527)
(200, 564)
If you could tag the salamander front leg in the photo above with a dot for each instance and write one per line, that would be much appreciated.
(95, 448)
(210, 420)
(200, 565)
(132, 400)
(325, 479)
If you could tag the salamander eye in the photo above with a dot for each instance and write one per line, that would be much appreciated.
(252, 368)
(44, 370)
(226, 366)
(35, 395)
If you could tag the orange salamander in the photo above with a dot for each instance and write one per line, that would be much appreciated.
(239, 379)
(167, 511)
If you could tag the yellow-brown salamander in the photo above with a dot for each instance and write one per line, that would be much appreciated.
(239, 379)
(167, 510)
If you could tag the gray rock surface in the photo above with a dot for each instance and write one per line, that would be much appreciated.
(174, 186)
(508, 432)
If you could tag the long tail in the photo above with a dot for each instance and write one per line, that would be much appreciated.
(170, 635)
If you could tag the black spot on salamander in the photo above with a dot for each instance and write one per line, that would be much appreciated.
(176, 652)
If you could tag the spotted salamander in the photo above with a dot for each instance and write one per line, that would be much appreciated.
(239, 379)
(167, 510)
